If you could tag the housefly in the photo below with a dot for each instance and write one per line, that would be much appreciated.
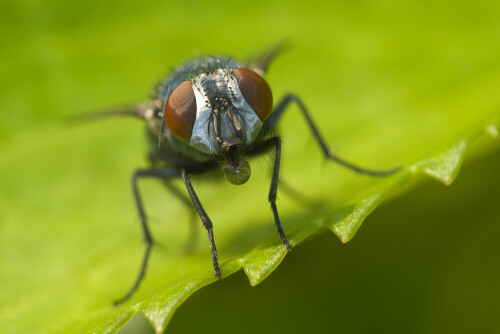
(215, 113)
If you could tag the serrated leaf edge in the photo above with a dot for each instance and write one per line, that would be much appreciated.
(443, 167)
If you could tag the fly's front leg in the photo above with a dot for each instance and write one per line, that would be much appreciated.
(273, 190)
(156, 173)
(205, 220)
(277, 113)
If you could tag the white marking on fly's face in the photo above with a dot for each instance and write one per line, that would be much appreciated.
(207, 87)
(199, 137)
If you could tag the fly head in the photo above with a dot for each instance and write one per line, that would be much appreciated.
(219, 109)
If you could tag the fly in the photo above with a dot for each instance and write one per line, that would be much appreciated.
(215, 112)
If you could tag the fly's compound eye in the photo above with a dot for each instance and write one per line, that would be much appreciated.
(256, 91)
(180, 111)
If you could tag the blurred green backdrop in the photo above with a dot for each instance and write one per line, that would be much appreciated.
(389, 82)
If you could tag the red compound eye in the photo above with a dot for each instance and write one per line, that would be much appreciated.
(180, 111)
(256, 91)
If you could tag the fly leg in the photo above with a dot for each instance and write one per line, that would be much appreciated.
(273, 190)
(278, 111)
(204, 219)
(139, 174)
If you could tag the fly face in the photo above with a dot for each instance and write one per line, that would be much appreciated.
(219, 109)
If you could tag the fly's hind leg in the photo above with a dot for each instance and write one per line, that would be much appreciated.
(281, 107)
(139, 174)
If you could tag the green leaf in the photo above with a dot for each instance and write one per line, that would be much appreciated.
(388, 84)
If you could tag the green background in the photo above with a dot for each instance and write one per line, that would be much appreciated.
(388, 82)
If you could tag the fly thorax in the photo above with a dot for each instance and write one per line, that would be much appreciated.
(223, 116)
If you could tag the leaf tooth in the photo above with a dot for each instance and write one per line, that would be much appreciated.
(444, 167)
(347, 221)
(159, 309)
(262, 261)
